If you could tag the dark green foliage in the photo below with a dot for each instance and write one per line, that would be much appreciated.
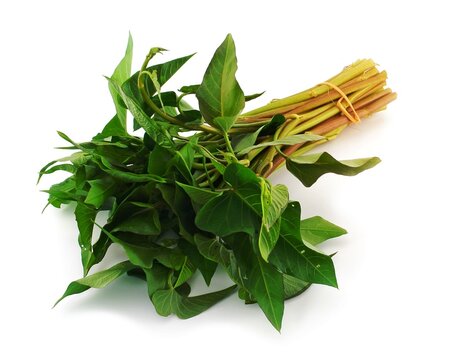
(178, 203)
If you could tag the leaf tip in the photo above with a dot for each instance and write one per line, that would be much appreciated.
(48, 203)
(277, 326)
(57, 302)
(376, 160)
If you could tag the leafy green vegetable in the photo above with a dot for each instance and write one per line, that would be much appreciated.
(85, 217)
(293, 257)
(315, 230)
(220, 96)
(191, 194)
(100, 190)
(309, 168)
(262, 280)
(117, 125)
(225, 215)
(253, 96)
(170, 301)
(98, 280)
(289, 140)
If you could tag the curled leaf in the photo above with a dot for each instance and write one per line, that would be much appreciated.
(309, 168)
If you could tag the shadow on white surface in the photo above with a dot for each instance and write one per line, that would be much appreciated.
(127, 298)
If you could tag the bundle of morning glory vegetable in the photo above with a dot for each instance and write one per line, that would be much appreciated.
(192, 193)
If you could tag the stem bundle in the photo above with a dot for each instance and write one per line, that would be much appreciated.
(321, 110)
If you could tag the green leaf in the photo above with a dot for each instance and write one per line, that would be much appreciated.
(244, 141)
(98, 280)
(62, 193)
(157, 278)
(309, 168)
(198, 195)
(261, 279)
(150, 126)
(191, 117)
(274, 204)
(168, 69)
(181, 206)
(114, 127)
(226, 214)
(288, 140)
(143, 223)
(271, 127)
(187, 155)
(292, 257)
(224, 123)
(220, 95)
(165, 301)
(143, 254)
(189, 89)
(192, 306)
(220, 167)
(266, 285)
(159, 161)
(316, 230)
(240, 208)
(294, 287)
(246, 185)
(127, 176)
(164, 72)
(186, 272)
(213, 249)
(206, 266)
(274, 200)
(130, 177)
(62, 167)
(100, 190)
(171, 301)
(85, 217)
(45, 168)
(267, 238)
(68, 139)
(253, 96)
(99, 249)
(172, 164)
(118, 124)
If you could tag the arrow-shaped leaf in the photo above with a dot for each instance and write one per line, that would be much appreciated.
(98, 280)
(315, 230)
(220, 95)
(309, 168)
(171, 301)
(260, 279)
(292, 257)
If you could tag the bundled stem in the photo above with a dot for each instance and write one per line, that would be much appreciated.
(321, 110)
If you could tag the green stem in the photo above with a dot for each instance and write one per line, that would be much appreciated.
(228, 145)
(347, 74)
(210, 180)
(198, 166)
(156, 109)
(251, 124)
(210, 155)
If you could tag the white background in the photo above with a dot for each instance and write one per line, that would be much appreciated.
(406, 269)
